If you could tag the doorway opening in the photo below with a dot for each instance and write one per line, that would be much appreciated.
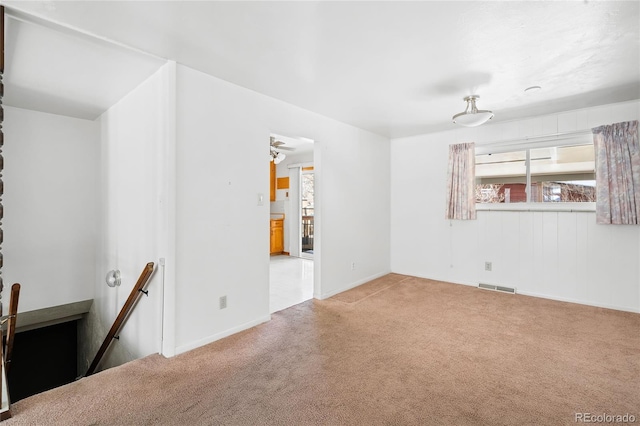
(291, 267)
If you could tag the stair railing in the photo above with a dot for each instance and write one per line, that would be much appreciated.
(11, 325)
(6, 348)
(122, 316)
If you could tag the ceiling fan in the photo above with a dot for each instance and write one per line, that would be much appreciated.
(279, 145)
(276, 146)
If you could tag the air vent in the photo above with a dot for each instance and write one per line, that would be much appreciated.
(497, 288)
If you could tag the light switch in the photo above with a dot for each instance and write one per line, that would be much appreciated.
(260, 199)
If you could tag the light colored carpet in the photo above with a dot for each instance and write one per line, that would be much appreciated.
(369, 289)
(417, 352)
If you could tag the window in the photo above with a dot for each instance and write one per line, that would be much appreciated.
(547, 174)
(501, 177)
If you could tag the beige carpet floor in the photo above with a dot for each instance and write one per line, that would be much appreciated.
(396, 351)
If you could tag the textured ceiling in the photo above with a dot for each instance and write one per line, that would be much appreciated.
(394, 68)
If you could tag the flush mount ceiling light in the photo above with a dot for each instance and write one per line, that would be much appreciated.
(472, 116)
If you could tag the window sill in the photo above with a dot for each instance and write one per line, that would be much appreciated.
(537, 207)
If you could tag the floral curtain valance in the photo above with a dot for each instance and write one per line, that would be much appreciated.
(617, 157)
(461, 199)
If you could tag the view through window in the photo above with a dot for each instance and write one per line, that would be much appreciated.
(546, 175)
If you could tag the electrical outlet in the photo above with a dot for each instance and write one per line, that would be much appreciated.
(353, 266)
(487, 266)
(223, 302)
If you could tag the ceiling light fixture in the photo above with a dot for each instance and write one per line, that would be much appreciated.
(472, 116)
(277, 156)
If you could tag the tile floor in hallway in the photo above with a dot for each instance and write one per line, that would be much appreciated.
(290, 281)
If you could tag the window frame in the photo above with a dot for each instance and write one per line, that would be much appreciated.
(527, 144)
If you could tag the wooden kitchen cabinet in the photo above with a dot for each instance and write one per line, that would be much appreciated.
(272, 187)
(277, 236)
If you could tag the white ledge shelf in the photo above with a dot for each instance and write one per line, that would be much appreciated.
(52, 315)
(537, 207)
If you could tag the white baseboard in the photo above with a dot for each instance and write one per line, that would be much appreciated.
(201, 342)
(436, 278)
(352, 285)
(467, 283)
(534, 294)
(579, 302)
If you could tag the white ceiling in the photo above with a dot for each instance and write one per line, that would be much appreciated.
(67, 73)
(395, 68)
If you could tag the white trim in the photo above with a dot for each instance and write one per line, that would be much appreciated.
(579, 302)
(295, 213)
(317, 220)
(300, 165)
(302, 254)
(528, 171)
(442, 280)
(168, 348)
(218, 336)
(527, 145)
(351, 285)
(532, 294)
(18, 13)
(580, 137)
(537, 207)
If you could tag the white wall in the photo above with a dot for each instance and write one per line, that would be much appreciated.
(222, 234)
(51, 207)
(557, 255)
(134, 215)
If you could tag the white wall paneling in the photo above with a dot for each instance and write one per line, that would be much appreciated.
(464, 245)
(526, 236)
(509, 255)
(567, 254)
(554, 254)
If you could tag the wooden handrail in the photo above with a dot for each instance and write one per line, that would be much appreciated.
(122, 316)
(11, 325)
(6, 348)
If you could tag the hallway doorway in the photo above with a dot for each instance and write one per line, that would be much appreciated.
(291, 269)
